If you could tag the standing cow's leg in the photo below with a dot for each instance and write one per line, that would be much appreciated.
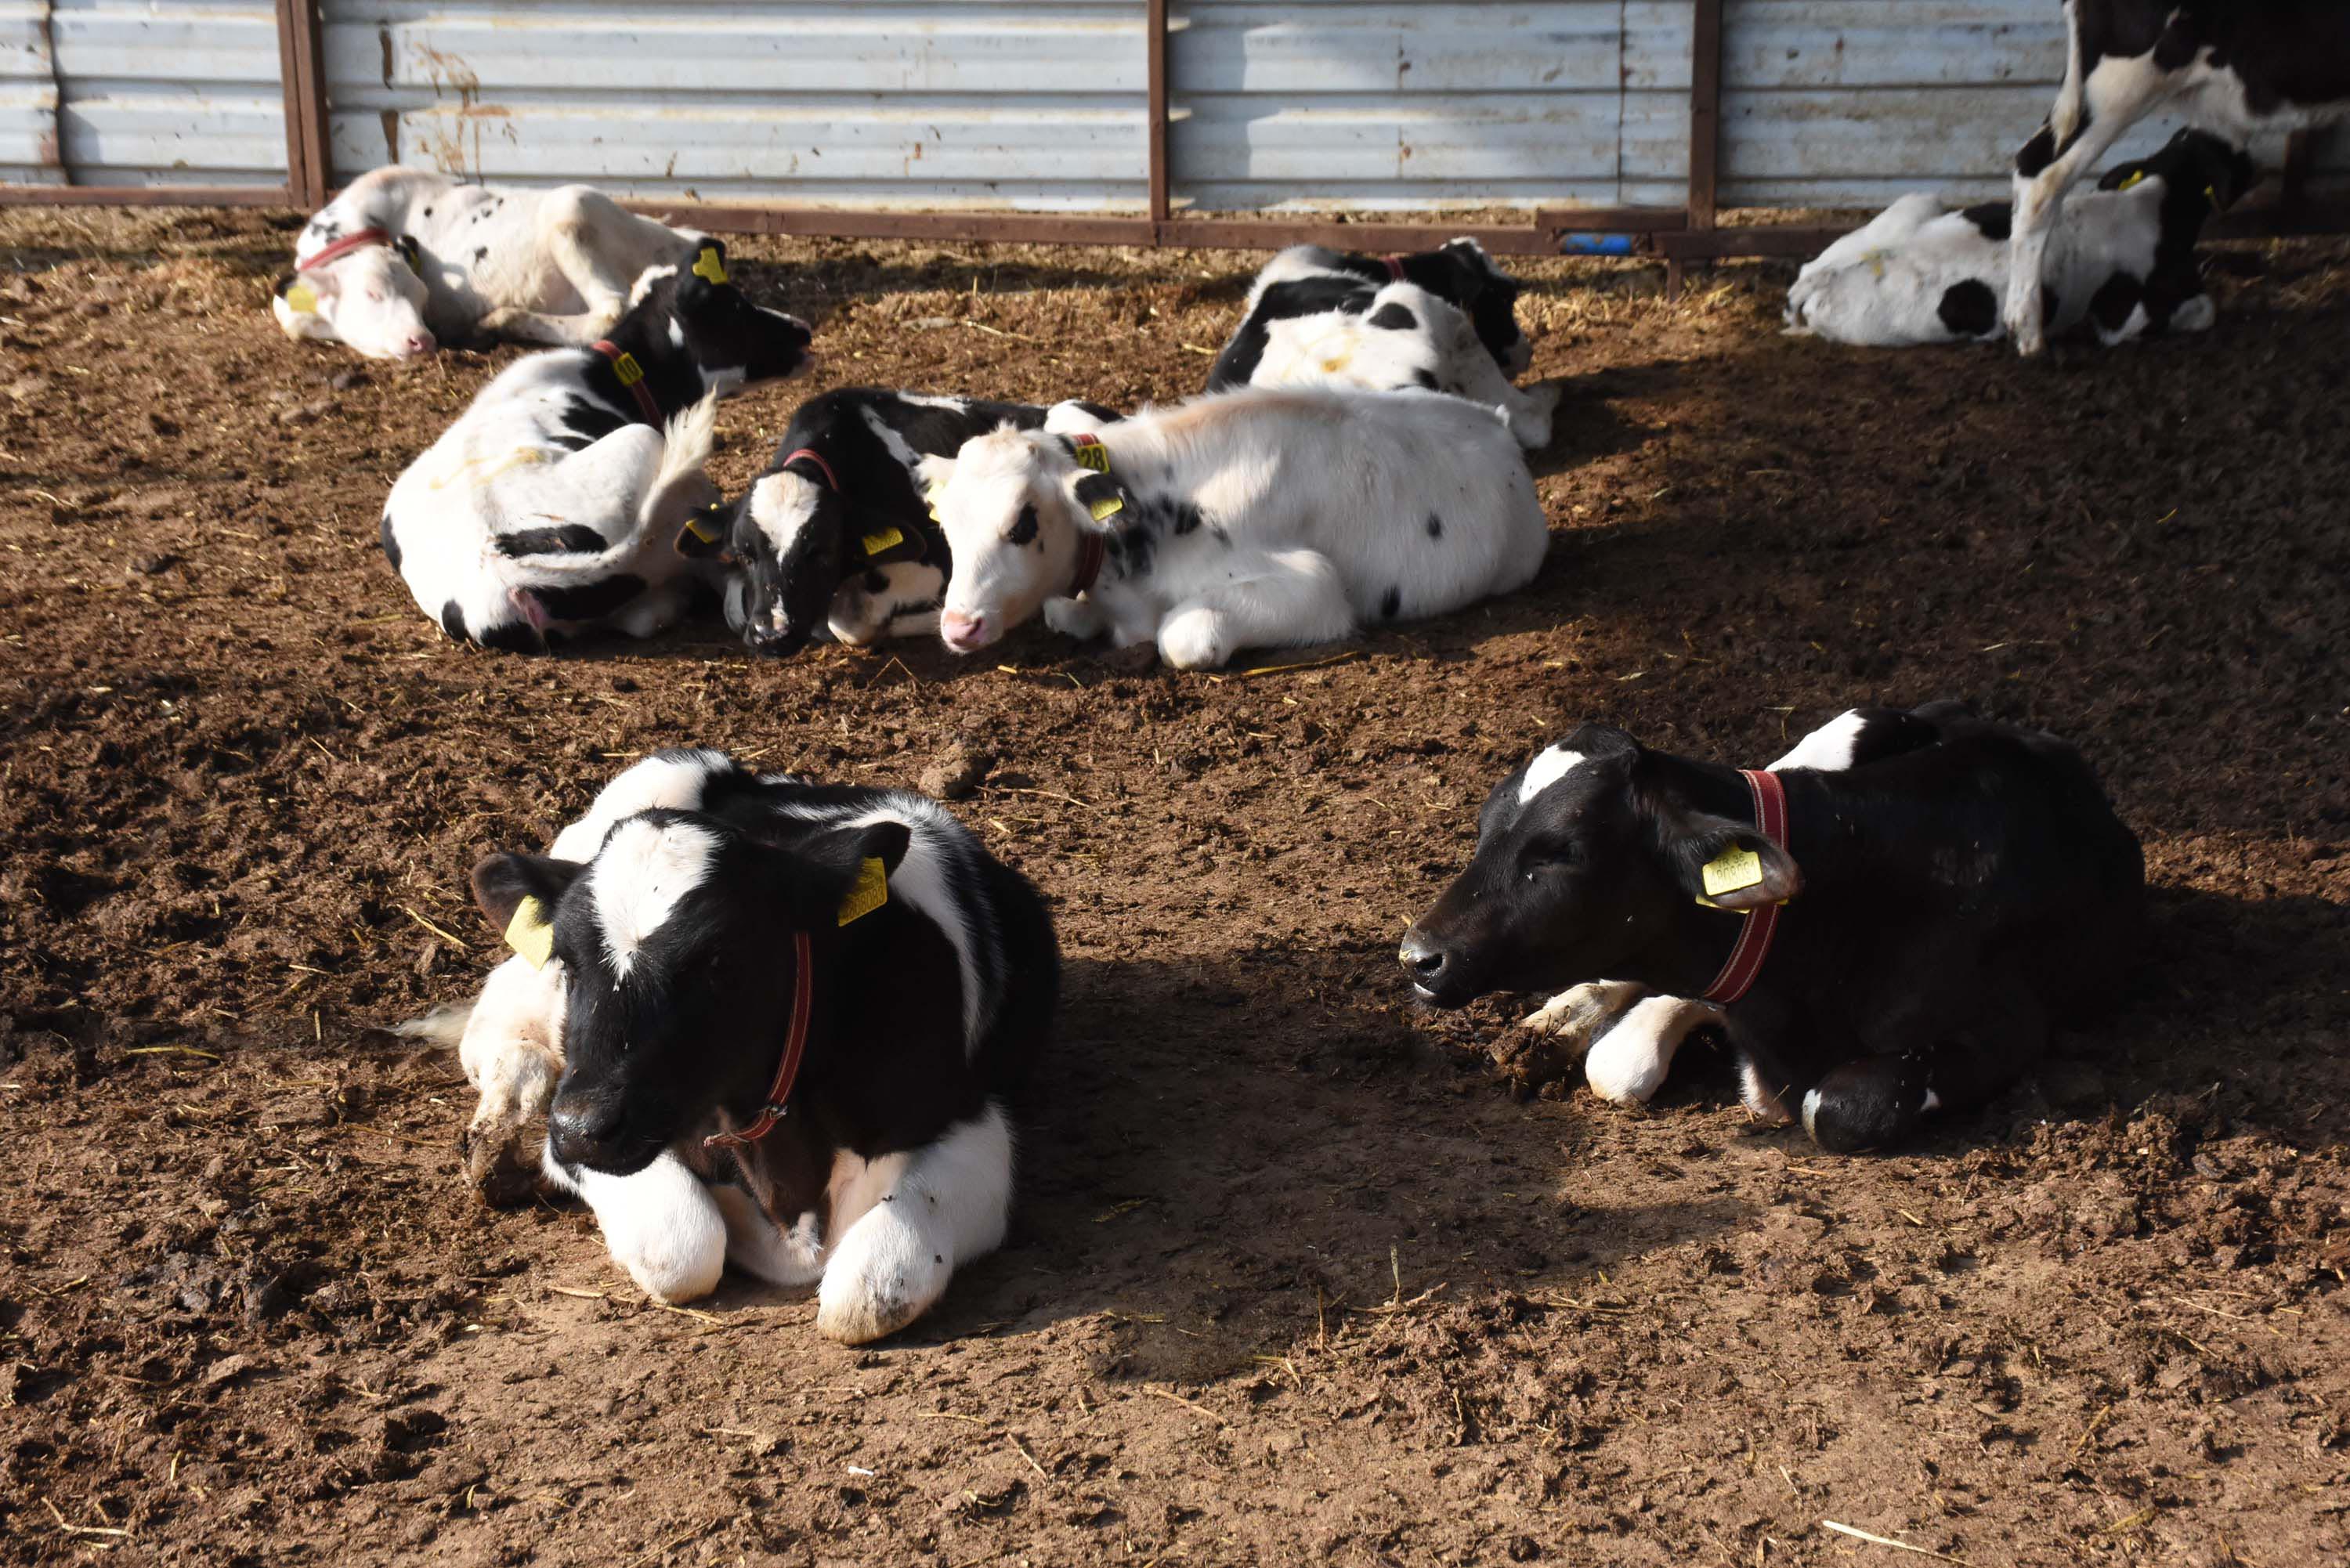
(1271, 598)
(2092, 114)
(661, 1224)
(906, 1221)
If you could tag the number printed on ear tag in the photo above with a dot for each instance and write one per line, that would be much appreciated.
(1107, 506)
(1732, 870)
(530, 933)
(872, 891)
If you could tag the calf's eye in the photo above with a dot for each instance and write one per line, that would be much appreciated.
(1024, 527)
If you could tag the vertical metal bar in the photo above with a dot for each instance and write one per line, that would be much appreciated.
(53, 146)
(289, 77)
(1155, 41)
(1705, 111)
(302, 45)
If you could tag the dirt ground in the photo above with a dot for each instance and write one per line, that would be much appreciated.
(1300, 1273)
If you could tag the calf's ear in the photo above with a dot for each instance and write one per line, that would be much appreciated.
(1102, 496)
(708, 536)
(501, 882)
(839, 877)
(1729, 865)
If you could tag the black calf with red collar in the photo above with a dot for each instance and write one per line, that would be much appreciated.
(1945, 904)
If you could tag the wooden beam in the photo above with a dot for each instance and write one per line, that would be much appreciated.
(302, 55)
(1705, 112)
(144, 196)
(1156, 47)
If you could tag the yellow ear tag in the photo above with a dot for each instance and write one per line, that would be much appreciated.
(1107, 506)
(2211, 194)
(302, 297)
(530, 933)
(872, 891)
(625, 367)
(887, 539)
(1093, 455)
(1731, 871)
(709, 266)
(2137, 178)
(703, 525)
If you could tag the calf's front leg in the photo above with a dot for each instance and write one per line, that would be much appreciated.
(905, 1222)
(1270, 598)
(661, 1224)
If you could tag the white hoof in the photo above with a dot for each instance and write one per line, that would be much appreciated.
(883, 1276)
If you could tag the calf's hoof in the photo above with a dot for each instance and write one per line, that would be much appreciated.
(879, 1280)
(496, 1170)
(1194, 640)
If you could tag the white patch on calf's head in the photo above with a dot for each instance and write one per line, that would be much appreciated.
(671, 780)
(782, 506)
(676, 333)
(639, 876)
(1828, 749)
(645, 280)
(1547, 768)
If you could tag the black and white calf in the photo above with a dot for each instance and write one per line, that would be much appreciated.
(553, 505)
(773, 1024)
(2230, 67)
(1945, 902)
(836, 534)
(406, 259)
(2121, 260)
(1248, 519)
(1443, 320)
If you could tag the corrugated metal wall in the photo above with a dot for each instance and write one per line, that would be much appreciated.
(141, 92)
(907, 103)
(1040, 104)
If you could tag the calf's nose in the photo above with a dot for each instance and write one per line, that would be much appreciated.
(962, 630)
(1423, 960)
(417, 343)
(578, 1131)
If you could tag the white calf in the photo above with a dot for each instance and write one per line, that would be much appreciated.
(406, 259)
(1246, 519)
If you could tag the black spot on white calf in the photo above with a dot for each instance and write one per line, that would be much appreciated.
(1024, 527)
(481, 254)
(1391, 603)
(1994, 219)
(1393, 317)
(1969, 310)
(452, 620)
(1435, 526)
(570, 539)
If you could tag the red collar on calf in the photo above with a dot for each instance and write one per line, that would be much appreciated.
(831, 480)
(787, 1070)
(1754, 937)
(632, 376)
(344, 247)
(1395, 268)
(1092, 544)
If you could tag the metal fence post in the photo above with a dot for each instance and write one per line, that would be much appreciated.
(1155, 46)
(302, 68)
(1705, 127)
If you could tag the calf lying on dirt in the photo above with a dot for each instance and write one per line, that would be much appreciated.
(2123, 260)
(1246, 519)
(1952, 898)
(405, 260)
(772, 1022)
(552, 505)
(836, 534)
(1442, 320)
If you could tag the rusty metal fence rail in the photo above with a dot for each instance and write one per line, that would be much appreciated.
(1710, 106)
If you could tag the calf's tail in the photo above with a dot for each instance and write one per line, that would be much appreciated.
(679, 485)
